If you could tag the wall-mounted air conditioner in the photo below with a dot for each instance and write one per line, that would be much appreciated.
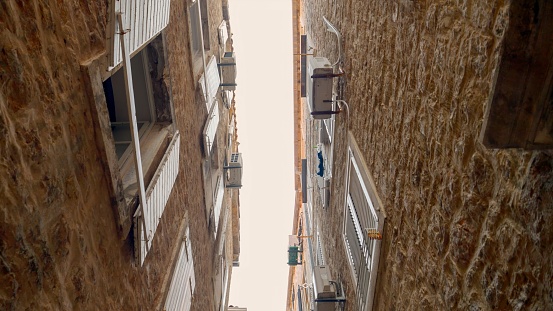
(228, 71)
(234, 171)
(323, 288)
(327, 292)
(319, 86)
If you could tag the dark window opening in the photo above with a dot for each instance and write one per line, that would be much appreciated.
(116, 99)
(151, 97)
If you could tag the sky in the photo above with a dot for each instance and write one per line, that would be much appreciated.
(262, 40)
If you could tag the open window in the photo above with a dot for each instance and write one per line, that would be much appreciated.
(195, 30)
(153, 114)
(364, 219)
(205, 23)
(116, 99)
(130, 97)
(183, 281)
(199, 31)
(154, 167)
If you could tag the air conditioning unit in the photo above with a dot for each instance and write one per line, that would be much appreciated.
(319, 86)
(234, 171)
(227, 66)
(327, 292)
(323, 287)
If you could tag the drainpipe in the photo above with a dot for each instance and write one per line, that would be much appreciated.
(132, 118)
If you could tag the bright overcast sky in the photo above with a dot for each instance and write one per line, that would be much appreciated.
(262, 34)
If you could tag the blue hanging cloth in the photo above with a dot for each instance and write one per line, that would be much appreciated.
(321, 171)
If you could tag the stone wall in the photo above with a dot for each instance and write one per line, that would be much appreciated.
(468, 228)
(59, 242)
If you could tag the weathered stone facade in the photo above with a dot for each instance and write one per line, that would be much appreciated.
(62, 246)
(468, 228)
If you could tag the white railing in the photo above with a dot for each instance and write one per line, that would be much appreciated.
(157, 194)
(183, 282)
(143, 19)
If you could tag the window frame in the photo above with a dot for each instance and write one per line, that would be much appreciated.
(199, 37)
(195, 35)
(367, 249)
(148, 125)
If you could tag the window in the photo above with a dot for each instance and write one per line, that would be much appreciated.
(363, 223)
(205, 23)
(210, 129)
(222, 33)
(224, 284)
(218, 206)
(139, 199)
(300, 300)
(209, 91)
(153, 112)
(116, 99)
(305, 298)
(183, 282)
(228, 96)
(320, 251)
(197, 34)
(158, 141)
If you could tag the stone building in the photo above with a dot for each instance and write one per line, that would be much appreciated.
(88, 222)
(402, 192)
